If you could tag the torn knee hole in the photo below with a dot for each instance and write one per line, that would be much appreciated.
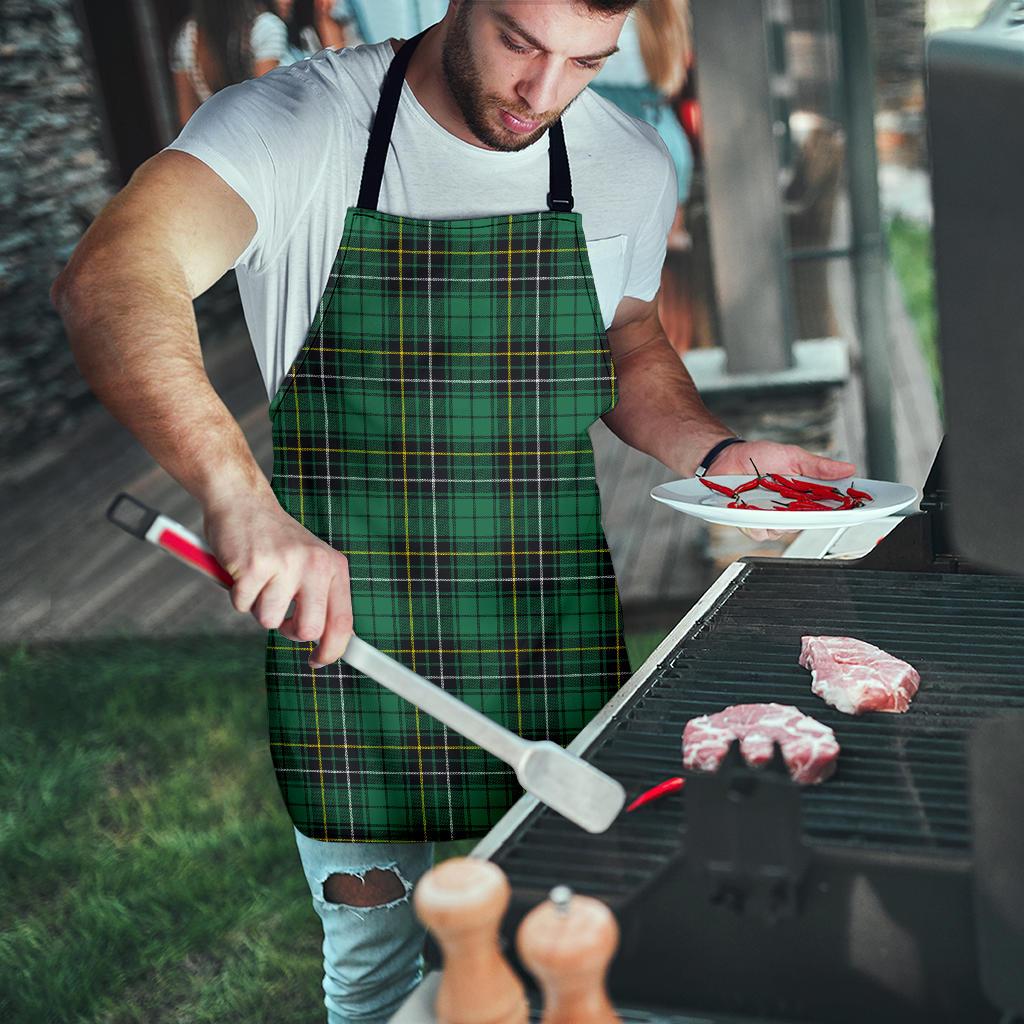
(376, 888)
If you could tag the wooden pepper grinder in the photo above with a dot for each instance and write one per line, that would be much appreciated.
(567, 943)
(462, 902)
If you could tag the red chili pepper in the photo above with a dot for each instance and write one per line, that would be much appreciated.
(750, 485)
(760, 477)
(743, 504)
(668, 786)
(786, 492)
(807, 506)
(812, 485)
(809, 487)
(717, 487)
(862, 495)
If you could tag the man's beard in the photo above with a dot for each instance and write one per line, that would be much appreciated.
(465, 84)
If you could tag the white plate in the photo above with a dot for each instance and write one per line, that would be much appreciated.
(693, 498)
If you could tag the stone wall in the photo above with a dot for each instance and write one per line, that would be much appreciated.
(54, 178)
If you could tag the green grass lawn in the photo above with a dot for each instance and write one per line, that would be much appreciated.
(910, 248)
(149, 873)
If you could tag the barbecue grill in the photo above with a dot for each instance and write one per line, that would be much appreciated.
(748, 896)
(895, 890)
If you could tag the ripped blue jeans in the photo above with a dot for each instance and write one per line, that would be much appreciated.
(373, 956)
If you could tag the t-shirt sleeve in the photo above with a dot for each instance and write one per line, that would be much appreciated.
(180, 55)
(269, 140)
(652, 237)
(269, 37)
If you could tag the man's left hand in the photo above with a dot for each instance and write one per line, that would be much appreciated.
(771, 457)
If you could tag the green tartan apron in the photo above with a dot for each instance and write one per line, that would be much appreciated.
(433, 428)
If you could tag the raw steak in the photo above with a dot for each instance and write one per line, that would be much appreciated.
(808, 747)
(855, 677)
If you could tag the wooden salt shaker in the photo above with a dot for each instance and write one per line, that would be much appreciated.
(567, 943)
(462, 902)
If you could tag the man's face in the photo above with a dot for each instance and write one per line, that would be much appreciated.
(513, 66)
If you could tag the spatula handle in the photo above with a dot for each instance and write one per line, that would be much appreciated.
(465, 720)
(146, 523)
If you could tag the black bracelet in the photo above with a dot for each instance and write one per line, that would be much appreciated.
(705, 463)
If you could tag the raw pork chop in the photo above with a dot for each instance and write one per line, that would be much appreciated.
(855, 677)
(808, 747)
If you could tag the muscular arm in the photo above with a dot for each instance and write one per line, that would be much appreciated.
(659, 410)
(126, 301)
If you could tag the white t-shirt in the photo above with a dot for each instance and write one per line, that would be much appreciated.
(292, 144)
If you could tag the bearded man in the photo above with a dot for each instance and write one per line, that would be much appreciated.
(448, 252)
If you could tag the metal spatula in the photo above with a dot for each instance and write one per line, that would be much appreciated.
(564, 782)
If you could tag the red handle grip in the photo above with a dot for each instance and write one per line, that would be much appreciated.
(196, 555)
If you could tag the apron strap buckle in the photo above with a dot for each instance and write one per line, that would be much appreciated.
(559, 204)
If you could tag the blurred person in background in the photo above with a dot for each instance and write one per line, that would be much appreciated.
(648, 73)
(221, 43)
(372, 21)
(645, 78)
(313, 25)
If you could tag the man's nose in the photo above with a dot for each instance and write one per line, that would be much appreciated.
(539, 89)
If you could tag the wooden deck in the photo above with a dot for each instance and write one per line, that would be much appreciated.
(71, 574)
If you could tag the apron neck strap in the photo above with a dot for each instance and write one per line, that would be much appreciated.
(383, 122)
(560, 185)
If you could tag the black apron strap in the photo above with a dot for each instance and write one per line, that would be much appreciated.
(560, 184)
(383, 122)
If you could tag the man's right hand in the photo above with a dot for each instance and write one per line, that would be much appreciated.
(274, 560)
(126, 301)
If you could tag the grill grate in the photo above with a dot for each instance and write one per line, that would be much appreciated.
(901, 784)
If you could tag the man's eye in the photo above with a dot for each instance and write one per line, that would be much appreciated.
(513, 46)
(589, 65)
